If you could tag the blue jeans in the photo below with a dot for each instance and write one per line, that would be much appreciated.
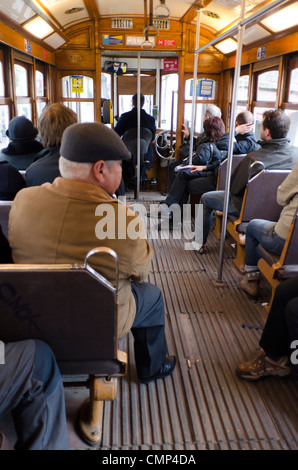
(262, 232)
(214, 201)
(148, 329)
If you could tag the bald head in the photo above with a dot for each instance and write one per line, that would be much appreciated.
(245, 117)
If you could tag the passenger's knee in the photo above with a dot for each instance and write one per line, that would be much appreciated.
(46, 369)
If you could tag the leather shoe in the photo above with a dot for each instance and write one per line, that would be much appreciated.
(165, 370)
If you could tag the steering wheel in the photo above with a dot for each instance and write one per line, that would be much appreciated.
(163, 145)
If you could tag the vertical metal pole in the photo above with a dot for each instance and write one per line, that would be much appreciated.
(231, 139)
(115, 100)
(194, 86)
(157, 86)
(137, 189)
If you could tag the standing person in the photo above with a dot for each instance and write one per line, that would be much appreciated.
(128, 121)
(24, 147)
(31, 389)
(275, 153)
(62, 221)
(54, 119)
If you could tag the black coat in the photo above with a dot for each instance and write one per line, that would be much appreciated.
(21, 154)
(11, 181)
(129, 121)
(45, 169)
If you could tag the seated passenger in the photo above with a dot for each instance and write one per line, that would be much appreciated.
(271, 235)
(279, 337)
(129, 121)
(62, 221)
(31, 390)
(54, 119)
(23, 148)
(275, 153)
(11, 181)
(205, 166)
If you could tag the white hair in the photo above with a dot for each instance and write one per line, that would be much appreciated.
(213, 111)
(73, 170)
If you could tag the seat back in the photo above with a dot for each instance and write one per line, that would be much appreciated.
(4, 216)
(222, 171)
(72, 308)
(260, 201)
(130, 138)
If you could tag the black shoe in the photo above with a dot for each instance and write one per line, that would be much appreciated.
(165, 370)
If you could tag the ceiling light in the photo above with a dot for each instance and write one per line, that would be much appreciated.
(38, 27)
(283, 19)
(226, 46)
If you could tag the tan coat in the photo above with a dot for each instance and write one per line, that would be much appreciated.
(287, 196)
(57, 223)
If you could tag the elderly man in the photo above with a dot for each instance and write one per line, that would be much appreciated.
(60, 222)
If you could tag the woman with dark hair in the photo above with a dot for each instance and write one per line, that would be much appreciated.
(205, 165)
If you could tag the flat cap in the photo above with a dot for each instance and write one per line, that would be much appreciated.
(92, 141)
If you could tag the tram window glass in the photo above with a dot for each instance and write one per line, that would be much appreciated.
(293, 91)
(125, 104)
(21, 80)
(80, 93)
(106, 87)
(1, 80)
(75, 86)
(39, 81)
(199, 116)
(169, 84)
(267, 86)
(4, 120)
(84, 110)
(205, 89)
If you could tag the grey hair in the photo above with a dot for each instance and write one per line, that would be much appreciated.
(72, 170)
(213, 111)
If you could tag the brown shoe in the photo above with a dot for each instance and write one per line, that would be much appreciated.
(263, 366)
(250, 284)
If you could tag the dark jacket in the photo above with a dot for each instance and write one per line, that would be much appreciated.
(274, 154)
(11, 181)
(45, 169)
(244, 144)
(129, 121)
(21, 154)
(207, 154)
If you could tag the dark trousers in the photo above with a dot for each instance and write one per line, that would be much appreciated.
(32, 390)
(148, 329)
(281, 328)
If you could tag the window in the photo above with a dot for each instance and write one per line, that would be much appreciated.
(205, 93)
(266, 96)
(4, 108)
(242, 98)
(291, 105)
(40, 87)
(79, 91)
(169, 84)
(24, 107)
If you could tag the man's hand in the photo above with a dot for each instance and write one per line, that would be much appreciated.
(244, 128)
(198, 168)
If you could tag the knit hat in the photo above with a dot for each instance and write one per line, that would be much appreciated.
(21, 128)
(90, 142)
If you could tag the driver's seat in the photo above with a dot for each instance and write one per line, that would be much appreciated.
(130, 138)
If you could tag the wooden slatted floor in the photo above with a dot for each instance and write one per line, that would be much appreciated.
(203, 405)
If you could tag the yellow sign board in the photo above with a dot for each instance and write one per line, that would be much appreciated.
(77, 84)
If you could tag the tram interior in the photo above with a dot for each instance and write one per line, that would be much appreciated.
(211, 327)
